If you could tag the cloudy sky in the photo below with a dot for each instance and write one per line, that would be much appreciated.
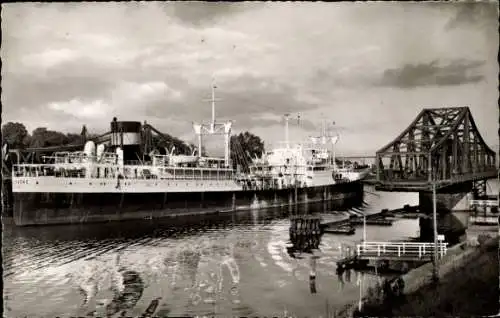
(370, 67)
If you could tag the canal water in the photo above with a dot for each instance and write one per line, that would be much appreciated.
(227, 265)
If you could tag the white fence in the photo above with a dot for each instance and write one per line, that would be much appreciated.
(399, 249)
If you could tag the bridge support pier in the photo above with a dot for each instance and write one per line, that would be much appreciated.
(452, 220)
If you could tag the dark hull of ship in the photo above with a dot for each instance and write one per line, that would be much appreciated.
(66, 208)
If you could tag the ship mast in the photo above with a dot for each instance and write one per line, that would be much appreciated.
(287, 142)
(323, 127)
(334, 140)
(214, 128)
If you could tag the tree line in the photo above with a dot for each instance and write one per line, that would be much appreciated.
(244, 146)
(16, 136)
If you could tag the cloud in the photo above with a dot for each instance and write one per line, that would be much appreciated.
(81, 109)
(345, 62)
(50, 58)
(275, 120)
(137, 93)
(200, 13)
(32, 93)
(242, 99)
(433, 74)
(482, 14)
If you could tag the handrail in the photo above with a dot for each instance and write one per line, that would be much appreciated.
(62, 165)
(487, 203)
(403, 248)
(399, 243)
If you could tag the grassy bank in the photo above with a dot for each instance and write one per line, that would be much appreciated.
(469, 291)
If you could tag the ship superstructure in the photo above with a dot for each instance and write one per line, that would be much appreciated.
(303, 165)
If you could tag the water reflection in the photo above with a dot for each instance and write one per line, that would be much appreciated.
(312, 275)
(348, 275)
(238, 264)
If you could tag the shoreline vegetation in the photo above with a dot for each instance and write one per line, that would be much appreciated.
(470, 290)
(245, 146)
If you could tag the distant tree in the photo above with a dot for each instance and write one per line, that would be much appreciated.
(245, 147)
(73, 139)
(203, 149)
(42, 137)
(15, 135)
(167, 141)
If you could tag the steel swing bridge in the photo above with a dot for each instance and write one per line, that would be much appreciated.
(442, 146)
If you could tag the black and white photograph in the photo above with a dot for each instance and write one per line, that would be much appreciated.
(250, 159)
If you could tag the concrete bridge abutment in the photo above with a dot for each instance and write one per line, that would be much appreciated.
(452, 217)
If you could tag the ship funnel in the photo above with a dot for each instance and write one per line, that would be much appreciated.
(127, 136)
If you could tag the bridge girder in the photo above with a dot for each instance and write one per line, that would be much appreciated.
(442, 145)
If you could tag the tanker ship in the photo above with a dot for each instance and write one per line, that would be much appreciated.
(109, 181)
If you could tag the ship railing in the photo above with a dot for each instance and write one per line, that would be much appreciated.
(299, 144)
(75, 170)
(106, 171)
(180, 173)
(318, 167)
(194, 173)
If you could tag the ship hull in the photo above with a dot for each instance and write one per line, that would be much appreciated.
(40, 208)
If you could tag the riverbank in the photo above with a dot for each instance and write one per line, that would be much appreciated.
(468, 291)
(468, 286)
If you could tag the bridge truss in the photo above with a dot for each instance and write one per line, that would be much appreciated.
(441, 146)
